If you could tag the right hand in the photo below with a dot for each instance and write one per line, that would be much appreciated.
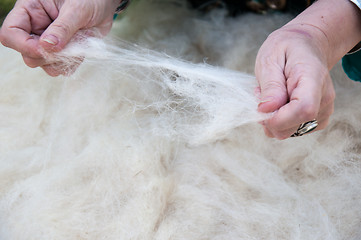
(33, 25)
(293, 64)
(294, 79)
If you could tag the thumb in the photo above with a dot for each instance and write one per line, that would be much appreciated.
(62, 29)
(272, 83)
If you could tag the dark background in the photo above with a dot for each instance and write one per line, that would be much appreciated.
(5, 7)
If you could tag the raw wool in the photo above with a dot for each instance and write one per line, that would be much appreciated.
(194, 102)
(78, 162)
(214, 37)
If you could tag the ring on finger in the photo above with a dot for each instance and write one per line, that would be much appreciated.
(305, 128)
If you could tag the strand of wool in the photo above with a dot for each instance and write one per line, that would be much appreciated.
(195, 103)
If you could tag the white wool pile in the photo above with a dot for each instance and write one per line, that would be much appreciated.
(140, 145)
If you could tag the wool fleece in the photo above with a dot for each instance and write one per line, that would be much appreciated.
(156, 136)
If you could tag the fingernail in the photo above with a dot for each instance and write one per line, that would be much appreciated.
(51, 39)
(267, 99)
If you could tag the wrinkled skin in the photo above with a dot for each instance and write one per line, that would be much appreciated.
(293, 64)
(33, 25)
(295, 84)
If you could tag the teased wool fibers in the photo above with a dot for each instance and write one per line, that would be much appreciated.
(194, 101)
(140, 145)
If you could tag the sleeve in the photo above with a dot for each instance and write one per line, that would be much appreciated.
(351, 62)
(122, 5)
(357, 3)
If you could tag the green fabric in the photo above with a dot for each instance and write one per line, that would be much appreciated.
(352, 65)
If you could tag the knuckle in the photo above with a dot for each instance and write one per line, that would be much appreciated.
(34, 5)
(268, 61)
(273, 85)
(276, 90)
(62, 28)
(308, 112)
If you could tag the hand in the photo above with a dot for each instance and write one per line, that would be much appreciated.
(293, 74)
(292, 66)
(50, 24)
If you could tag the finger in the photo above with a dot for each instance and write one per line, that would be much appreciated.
(53, 69)
(60, 68)
(42, 14)
(305, 99)
(272, 82)
(323, 124)
(322, 119)
(16, 34)
(33, 62)
(268, 132)
(306, 85)
(59, 32)
(287, 120)
(329, 94)
(324, 115)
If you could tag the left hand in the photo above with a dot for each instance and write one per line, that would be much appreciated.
(36, 25)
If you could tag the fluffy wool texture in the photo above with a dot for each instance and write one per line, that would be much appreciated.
(140, 145)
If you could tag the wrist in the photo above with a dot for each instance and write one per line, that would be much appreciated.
(339, 21)
(309, 38)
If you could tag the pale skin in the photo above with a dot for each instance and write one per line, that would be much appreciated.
(50, 24)
(292, 66)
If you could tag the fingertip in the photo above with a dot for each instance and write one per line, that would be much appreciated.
(52, 72)
(62, 29)
(50, 42)
(268, 105)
